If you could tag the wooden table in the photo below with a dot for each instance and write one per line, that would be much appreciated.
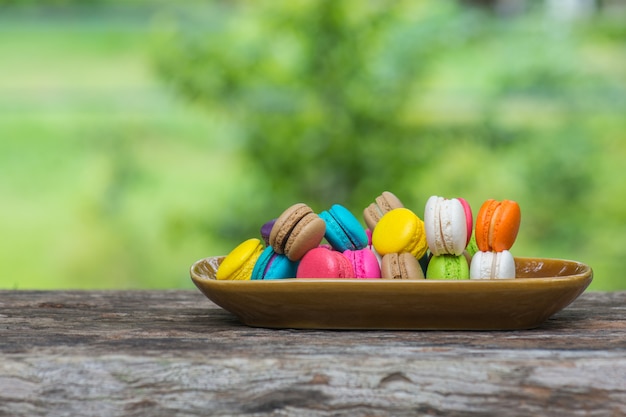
(174, 353)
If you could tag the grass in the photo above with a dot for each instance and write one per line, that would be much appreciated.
(100, 165)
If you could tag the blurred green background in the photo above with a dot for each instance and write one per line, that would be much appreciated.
(137, 137)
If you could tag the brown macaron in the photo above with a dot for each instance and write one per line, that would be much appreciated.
(296, 231)
(384, 203)
(401, 266)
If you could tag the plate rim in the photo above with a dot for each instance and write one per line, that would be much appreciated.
(585, 273)
(241, 297)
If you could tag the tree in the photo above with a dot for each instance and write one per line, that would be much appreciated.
(320, 91)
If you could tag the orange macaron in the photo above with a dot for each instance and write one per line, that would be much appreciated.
(497, 225)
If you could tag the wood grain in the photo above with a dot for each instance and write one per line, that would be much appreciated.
(174, 353)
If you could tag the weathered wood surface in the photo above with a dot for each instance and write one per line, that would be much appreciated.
(174, 353)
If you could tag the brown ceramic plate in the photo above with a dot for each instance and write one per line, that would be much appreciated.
(542, 288)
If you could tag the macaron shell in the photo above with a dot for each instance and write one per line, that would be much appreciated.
(284, 225)
(272, 265)
(454, 226)
(390, 267)
(388, 201)
(446, 226)
(306, 235)
(497, 225)
(430, 226)
(410, 267)
(261, 263)
(469, 218)
(506, 225)
(483, 224)
(401, 266)
(400, 230)
(472, 247)
(364, 262)
(240, 262)
(492, 265)
(324, 263)
(505, 265)
(481, 265)
(266, 229)
(382, 204)
(448, 267)
(343, 229)
(280, 267)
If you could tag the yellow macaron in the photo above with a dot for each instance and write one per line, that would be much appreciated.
(239, 263)
(400, 230)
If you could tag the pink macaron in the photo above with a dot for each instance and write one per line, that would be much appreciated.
(364, 262)
(469, 218)
(322, 262)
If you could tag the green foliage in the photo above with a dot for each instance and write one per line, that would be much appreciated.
(320, 92)
(99, 168)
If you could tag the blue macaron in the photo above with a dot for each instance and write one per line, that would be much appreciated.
(343, 229)
(272, 265)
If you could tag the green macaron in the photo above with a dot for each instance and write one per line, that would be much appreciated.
(448, 267)
(472, 247)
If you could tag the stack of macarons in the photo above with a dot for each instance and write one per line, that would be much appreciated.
(497, 225)
(449, 225)
(399, 238)
(460, 251)
(395, 243)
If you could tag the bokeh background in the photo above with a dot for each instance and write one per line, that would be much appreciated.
(137, 137)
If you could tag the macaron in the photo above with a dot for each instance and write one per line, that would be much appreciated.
(469, 218)
(364, 262)
(272, 265)
(266, 229)
(382, 204)
(297, 230)
(401, 266)
(240, 262)
(492, 265)
(448, 267)
(321, 262)
(497, 224)
(472, 247)
(446, 223)
(400, 230)
(343, 229)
